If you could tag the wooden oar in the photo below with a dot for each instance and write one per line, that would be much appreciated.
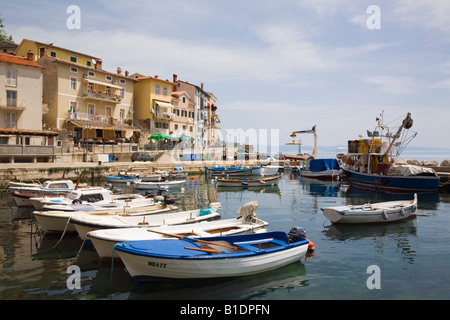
(204, 250)
(191, 239)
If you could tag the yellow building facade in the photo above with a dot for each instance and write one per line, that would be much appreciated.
(90, 103)
(152, 100)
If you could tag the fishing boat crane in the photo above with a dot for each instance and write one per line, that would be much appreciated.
(313, 131)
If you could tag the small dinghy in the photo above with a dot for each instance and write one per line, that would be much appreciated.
(86, 223)
(56, 221)
(212, 257)
(246, 222)
(246, 182)
(151, 185)
(382, 212)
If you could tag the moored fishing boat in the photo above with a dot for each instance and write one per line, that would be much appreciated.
(61, 221)
(370, 164)
(322, 169)
(86, 223)
(248, 182)
(247, 222)
(382, 212)
(212, 257)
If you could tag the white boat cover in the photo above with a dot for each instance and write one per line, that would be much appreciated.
(409, 170)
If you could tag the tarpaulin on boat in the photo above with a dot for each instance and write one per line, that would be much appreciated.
(323, 164)
(410, 170)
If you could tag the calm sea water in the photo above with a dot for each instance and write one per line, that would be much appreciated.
(413, 256)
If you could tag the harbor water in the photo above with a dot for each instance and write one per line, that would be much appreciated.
(411, 258)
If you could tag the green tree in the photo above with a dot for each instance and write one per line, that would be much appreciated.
(3, 34)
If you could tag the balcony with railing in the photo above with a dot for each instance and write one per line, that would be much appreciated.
(103, 96)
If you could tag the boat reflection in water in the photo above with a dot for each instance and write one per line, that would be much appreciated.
(286, 278)
(320, 187)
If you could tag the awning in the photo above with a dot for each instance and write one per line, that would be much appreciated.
(28, 132)
(103, 83)
(163, 104)
(85, 124)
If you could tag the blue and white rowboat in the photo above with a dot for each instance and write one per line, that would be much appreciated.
(211, 257)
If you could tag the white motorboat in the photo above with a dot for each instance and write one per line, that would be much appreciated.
(382, 212)
(21, 195)
(97, 197)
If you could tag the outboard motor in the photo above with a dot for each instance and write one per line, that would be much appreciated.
(296, 234)
(168, 199)
(109, 186)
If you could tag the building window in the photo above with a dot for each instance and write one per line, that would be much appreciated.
(158, 89)
(73, 110)
(176, 126)
(109, 78)
(122, 93)
(11, 77)
(53, 54)
(191, 128)
(121, 115)
(165, 91)
(11, 98)
(73, 59)
(73, 69)
(122, 81)
(176, 112)
(89, 63)
(73, 83)
(10, 120)
(91, 111)
(91, 74)
(184, 99)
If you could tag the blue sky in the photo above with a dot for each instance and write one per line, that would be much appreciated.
(280, 65)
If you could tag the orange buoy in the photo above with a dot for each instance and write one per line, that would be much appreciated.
(311, 245)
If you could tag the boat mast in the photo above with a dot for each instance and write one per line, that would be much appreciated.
(407, 123)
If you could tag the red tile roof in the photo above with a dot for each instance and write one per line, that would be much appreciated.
(8, 58)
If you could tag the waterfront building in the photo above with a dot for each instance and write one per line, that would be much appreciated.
(92, 104)
(201, 101)
(21, 109)
(153, 110)
(213, 121)
(182, 123)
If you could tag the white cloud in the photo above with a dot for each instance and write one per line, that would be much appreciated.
(396, 85)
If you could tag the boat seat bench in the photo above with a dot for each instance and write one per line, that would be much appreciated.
(257, 245)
